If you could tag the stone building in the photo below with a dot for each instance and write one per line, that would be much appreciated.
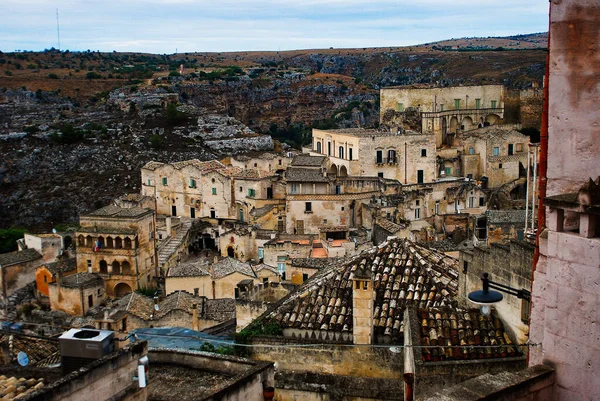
(76, 294)
(178, 309)
(18, 269)
(403, 155)
(118, 244)
(226, 278)
(498, 153)
(48, 273)
(50, 246)
(445, 111)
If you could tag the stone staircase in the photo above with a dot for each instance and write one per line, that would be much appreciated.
(168, 248)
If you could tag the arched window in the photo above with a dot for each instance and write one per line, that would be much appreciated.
(116, 267)
(103, 267)
(125, 268)
(100, 242)
(391, 156)
(341, 152)
(109, 242)
(127, 243)
(319, 147)
(89, 241)
(118, 243)
(81, 240)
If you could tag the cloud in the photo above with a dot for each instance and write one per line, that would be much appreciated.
(192, 25)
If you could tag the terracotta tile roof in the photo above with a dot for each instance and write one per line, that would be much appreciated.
(308, 160)
(227, 266)
(152, 165)
(318, 253)
(389, 226)
(65, 265)
(312, 263)
(16, 389)
(189, 269)
(449, 327)
(262, 266)
(82, 280)
(143, 306)
(116, 211)
(298, 174)
(13, 258)
(179, 300)
(41, 351)
(402, 272)
(137, 304)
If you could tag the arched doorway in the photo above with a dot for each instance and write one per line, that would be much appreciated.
(125, 268)
(103, 267)
(67, 241)
(491, 119)
(343, 171)
(453, 124)
(230, 252)
(116, 267)
(332, 170)
(467, 124)
(122, 289)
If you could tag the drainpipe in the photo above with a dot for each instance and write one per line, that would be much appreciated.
(405, 146)
(543, 165)
(409, 382)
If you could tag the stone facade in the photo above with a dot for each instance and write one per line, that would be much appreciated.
(119, 245)
(508, 264)
(565, 296)
(77, 294)
(446, 111)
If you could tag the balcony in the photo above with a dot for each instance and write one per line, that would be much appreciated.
(387, 160)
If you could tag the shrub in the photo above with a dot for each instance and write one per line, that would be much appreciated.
(52, 76)
(92, 75)
(156, 141)
(9, 237)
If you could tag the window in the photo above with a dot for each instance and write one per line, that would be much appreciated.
(149, 182)
(448, 170)
(192, 212)
(481, 201)
(350, 154)
(471, 150)
(241, 189)
(419, 176)
(437, 207)
(357, 285)
(281, 267)
(213, 214)
(471, 201)
(280, 162)
(441, 106)
(418, 213)
(365, 285)
(45, 279)
(494, 103)
(423, 152)
(418, 202)
(214, 191)
(496, 151)
(304, 277)
(519, 147)
(261, 253)
(89, 266)
(341, 152)
(255, 165)
(379, 158)
(470, 176)
(400, 107)
(499, 165)
(338, 189)
(524, 311)
(328, 148)
(192, 183)
(241, 212)
(391, 156)
(457, 104)
(318, 147)
(164, 181)
(294, 189)
(90, 300)
(380, 175)
(307, 207)
(510, 149)
(213, 180)
(251, 193)
(477, 103)
(99, 291)
(465, 266)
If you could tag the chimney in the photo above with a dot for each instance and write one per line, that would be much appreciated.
(168, 224)
(195, 323)
(362, 306)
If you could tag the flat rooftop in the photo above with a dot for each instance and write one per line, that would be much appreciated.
(170, 382)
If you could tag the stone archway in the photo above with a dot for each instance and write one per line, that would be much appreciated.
(453, 125)
(492, 119)
(343, 171)
(230, 252)
(333, 170)
(122, 289)
(467, 124)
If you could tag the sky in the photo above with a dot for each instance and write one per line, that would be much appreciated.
(167, 26)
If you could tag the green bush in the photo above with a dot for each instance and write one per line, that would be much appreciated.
(92, 75)
(173, 115)
(52, 76)
(68, 134)
(156, 141)
(9, 237)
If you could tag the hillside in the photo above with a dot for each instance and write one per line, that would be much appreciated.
(283, 94)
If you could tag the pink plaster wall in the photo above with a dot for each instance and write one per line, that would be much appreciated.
(565, 315)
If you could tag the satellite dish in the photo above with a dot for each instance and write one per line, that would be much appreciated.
(54, 231)
(156, 307)
(396, 350)
(23, 359)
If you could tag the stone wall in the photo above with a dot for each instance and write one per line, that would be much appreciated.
(241, 145)
(107, 378)
(18, 275)
(246, 311)
(531, 104)
(509, 264)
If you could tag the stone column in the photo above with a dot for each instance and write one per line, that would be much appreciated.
(362, 306)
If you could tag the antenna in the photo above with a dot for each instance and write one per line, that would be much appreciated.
(57, 30)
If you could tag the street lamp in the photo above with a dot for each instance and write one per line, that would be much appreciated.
(487, 298)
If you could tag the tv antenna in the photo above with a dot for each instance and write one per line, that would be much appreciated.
(57, 30)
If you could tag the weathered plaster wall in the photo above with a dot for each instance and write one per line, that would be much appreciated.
(74, 301)
(246, 311)
(566, 288)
